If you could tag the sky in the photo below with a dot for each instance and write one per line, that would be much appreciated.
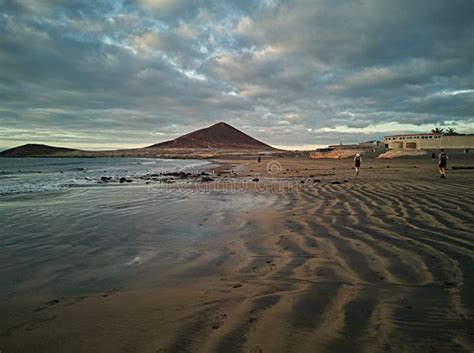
(294, 74)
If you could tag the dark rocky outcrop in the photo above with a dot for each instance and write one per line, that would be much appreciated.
(206, 179)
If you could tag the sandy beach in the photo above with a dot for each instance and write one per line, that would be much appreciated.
(182, 176)
(308, 258)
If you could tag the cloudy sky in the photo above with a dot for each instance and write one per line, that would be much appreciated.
(297, 74)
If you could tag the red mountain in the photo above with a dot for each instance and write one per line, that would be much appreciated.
(220, 135)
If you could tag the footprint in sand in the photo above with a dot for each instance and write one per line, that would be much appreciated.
(218, 321)
(252, 320)
(47, 305)
(270, 263)
(281, 240)
(35, 324)
(110, 292)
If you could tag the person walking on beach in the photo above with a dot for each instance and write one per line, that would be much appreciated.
(442, 163)
(259, 159)
(357, 160)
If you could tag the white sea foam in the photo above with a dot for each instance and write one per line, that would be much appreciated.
(25, 175)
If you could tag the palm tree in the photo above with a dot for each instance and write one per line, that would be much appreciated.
(450, 131)
(437, 131)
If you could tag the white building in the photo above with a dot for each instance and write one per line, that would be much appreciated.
(429, 141)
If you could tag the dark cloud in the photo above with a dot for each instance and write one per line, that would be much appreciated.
(288, 72)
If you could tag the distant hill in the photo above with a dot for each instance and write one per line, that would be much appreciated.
(219, 136)
(34, 150)
(217, 140)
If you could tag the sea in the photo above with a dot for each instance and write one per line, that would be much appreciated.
(23, 175)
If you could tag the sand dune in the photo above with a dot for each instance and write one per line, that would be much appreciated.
(401, 153)
(338, 153)
(381, 263)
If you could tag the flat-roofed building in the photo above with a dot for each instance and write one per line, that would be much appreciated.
(429, 141)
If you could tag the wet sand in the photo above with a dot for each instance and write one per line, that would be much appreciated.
(330, 263)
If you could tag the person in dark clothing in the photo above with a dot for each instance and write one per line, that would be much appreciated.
(259, 159)
(433, 156)
(442, 163)
(357, 161)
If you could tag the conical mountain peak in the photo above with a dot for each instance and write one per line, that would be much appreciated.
(220, 135)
